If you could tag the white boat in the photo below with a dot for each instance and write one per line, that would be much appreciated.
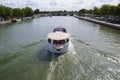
(58, 41)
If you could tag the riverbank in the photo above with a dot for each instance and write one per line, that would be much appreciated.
(15, 20)
(112, 25)
(10, 21)
(5, 22)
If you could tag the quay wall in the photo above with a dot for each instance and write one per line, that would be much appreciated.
(112, 25)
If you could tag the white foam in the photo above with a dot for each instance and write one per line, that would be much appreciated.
(112, 60)
(116, 70)
(71, 48)
(53, 66)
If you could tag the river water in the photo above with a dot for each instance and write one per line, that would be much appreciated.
(94, 51)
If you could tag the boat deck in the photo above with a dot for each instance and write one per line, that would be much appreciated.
(58, 35)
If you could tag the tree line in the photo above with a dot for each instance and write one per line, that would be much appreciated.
(8, 12)
(105, 9)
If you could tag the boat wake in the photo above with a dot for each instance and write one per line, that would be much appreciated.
(71, 48)
(53, 65)
(58, 61)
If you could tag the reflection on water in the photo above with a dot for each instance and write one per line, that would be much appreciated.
(93, 51)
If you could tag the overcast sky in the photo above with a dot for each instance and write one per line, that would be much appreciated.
(53, 5)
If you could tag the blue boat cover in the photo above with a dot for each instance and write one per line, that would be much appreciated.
(59, 29)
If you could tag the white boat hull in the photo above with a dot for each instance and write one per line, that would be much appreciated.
(51, 48)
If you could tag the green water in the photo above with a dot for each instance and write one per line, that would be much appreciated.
(94, 51)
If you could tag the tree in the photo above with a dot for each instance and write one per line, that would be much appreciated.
(105, 9)
(118, 9)
(17, 12)
(113, 10)
(96, 10)
(27, 12)
(2, 11)
(37, 11)
(90, 11)
(8, 12)
(83, 11)
(5, 12)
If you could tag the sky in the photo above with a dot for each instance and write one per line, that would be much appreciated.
(56, 5)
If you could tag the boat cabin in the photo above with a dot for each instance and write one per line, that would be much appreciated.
(60, 29)
(58, 38)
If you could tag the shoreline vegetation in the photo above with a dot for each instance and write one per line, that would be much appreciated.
(106, 13)
(8, 14)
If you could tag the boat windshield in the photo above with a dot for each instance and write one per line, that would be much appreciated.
(59, 29)
(60, 41)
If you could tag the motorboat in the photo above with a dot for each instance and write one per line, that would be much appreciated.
(58, 40)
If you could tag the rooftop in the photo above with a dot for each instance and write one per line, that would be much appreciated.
(58, 35)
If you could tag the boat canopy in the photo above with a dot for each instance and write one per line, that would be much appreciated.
(60, 29)
(58, 36)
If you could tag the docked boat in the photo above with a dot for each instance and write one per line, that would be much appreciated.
(15, 20)
(58, 40)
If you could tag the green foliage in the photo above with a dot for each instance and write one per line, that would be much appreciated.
(27, 12)
(2, 11)
(118, 9)
(37, 11)
(96, 10)
(105, 9)
(83, 11)
(17, 12)
(7, 12)
(113, 10)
